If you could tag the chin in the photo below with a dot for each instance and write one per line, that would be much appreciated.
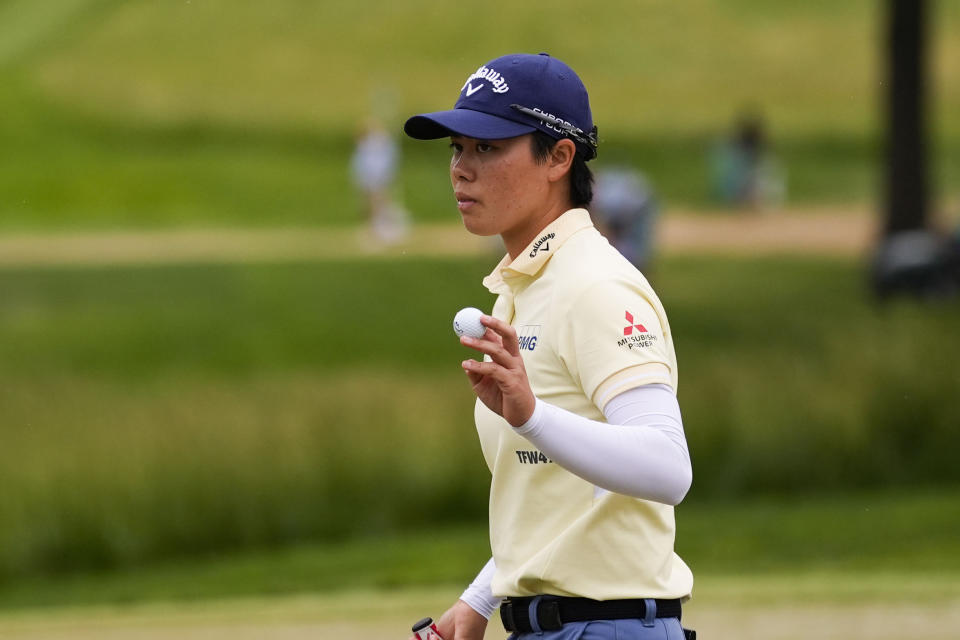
(477, 227)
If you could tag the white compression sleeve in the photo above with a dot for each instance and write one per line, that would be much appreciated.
(479, 595)
(641, 451)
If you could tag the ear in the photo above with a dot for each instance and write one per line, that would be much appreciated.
(560, 160)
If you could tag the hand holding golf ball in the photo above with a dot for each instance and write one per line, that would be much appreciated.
(467, 323)
(501, 382)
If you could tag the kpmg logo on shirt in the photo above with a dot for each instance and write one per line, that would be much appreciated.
(528, 335)
(635, 335)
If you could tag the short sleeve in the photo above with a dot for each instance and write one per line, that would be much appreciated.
(618, 338)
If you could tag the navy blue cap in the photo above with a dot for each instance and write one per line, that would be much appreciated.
(513, 95)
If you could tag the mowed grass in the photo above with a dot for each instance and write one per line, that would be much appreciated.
(159, 412)
(329, 64)
(142, 114)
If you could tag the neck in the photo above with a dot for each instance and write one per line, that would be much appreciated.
(518, 239)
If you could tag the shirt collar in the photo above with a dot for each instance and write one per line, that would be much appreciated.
(536, 255)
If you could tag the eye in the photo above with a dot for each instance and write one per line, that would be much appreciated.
(457, 147)
(483, 147)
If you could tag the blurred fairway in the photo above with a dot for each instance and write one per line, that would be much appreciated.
(146, 114)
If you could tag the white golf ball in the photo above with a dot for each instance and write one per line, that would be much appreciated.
(467, 323)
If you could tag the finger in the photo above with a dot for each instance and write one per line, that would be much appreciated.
(490, 334)
(507, 332)
(473, 377)
(482, 369)
(495, 350)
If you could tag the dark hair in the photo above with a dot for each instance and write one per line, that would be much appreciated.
(581, 178)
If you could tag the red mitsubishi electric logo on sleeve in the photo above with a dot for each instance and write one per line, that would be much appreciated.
(628, 330)
(635, 335)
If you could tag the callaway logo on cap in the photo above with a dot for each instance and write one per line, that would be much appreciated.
(514, 95)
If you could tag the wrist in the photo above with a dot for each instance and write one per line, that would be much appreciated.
(533, 421)
(470, 618)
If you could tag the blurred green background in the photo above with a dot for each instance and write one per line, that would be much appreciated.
(234, 427)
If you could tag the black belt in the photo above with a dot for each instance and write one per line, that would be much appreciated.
(554, 611)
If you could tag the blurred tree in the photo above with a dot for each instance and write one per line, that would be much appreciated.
(912, 257)
(906, 184)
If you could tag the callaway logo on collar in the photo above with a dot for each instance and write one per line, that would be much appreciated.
(542, 244)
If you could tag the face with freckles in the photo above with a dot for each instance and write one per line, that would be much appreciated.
(500, 187)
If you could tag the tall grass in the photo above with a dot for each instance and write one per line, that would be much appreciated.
(161, 411)
(107, 474)
(792, 379)
(845, 547)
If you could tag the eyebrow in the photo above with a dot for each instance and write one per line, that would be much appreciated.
(481, 140)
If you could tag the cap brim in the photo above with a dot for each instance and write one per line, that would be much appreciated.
(463, 122)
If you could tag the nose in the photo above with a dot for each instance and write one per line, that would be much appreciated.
(461, 167)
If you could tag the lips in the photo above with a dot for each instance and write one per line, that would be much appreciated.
(464, 202)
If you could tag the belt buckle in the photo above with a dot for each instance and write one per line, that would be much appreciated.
(548, 615)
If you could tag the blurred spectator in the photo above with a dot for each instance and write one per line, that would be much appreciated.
(745, 172)
(923, 263)
(373, 168)
(624, 209)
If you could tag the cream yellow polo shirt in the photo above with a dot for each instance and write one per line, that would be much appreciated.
(590, 327)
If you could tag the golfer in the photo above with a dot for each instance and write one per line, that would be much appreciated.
(577, 411)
